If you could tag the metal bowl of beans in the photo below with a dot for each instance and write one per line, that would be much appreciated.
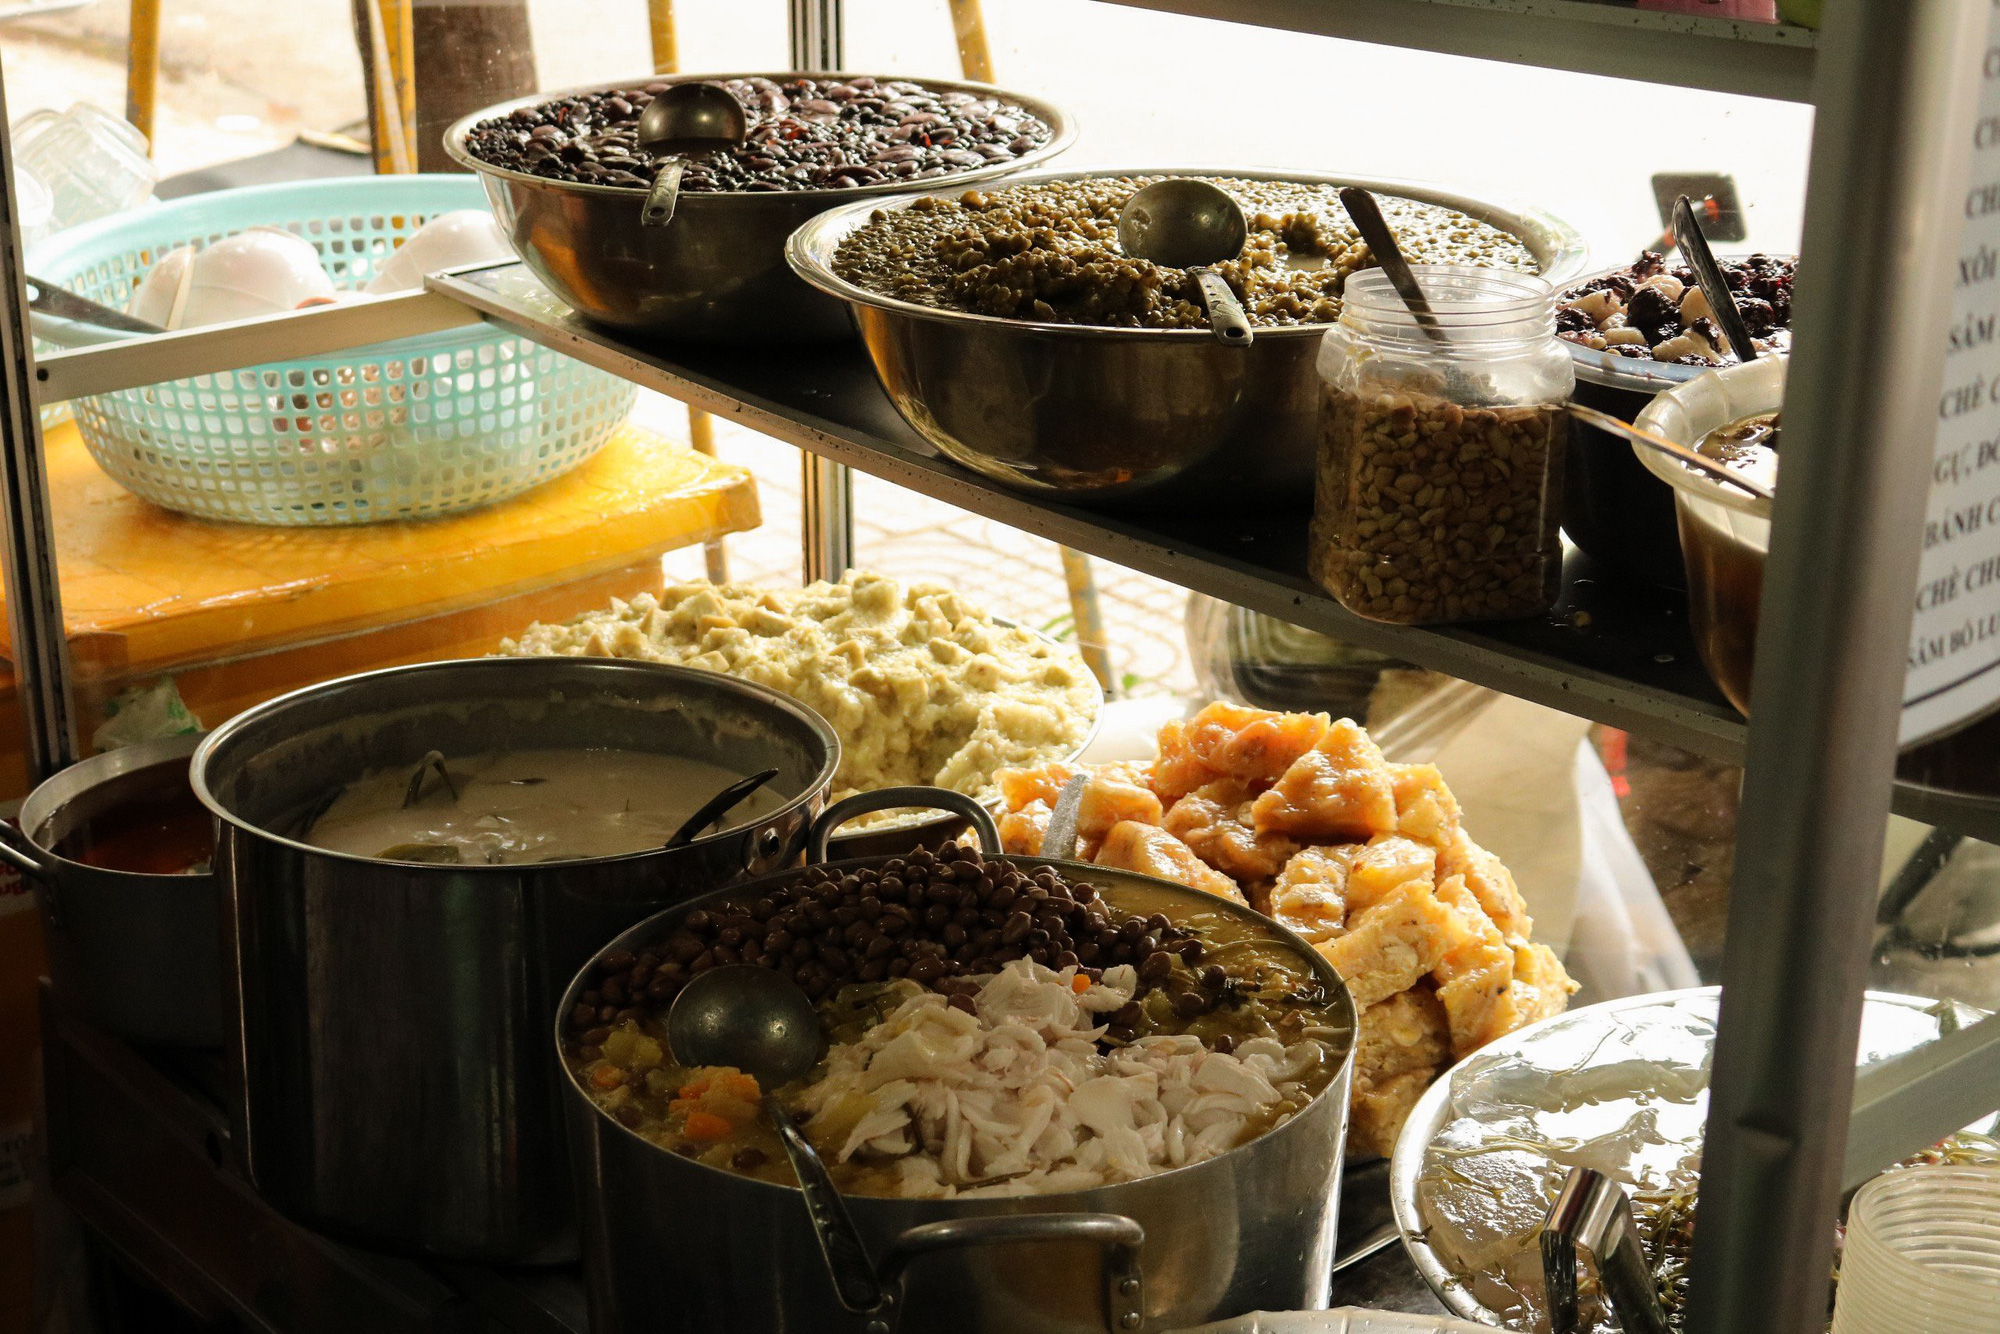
(717, 271)
(1154, 417)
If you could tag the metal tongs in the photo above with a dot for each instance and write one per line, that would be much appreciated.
(1591, 1211)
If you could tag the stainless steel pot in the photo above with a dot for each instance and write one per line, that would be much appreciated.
(717, 271)
(385, 1018)
(138, 954)
(674, 1245)
(1105, 416)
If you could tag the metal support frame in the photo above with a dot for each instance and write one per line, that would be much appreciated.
(1910, 1102)
(1896, 94)
(39, 650)
(826, 496)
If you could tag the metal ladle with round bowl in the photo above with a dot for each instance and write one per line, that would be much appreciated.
(1188, 224)
(687, 118)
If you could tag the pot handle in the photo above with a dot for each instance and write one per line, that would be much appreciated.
(21, 852)
(1121, 1238)
(888, 798)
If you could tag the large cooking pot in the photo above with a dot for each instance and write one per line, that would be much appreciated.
(674, 1245)
(717, 271)
(137, 953)
(385, 1019)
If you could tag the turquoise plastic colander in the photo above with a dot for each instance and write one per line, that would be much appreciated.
(410, 429)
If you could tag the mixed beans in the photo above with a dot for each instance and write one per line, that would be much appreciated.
(805, 134)
(1049, 251)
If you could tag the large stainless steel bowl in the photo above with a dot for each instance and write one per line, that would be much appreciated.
(1161, 417)
(384, 1019)
(672, 1246)
(717, 271)
(1890, 1024)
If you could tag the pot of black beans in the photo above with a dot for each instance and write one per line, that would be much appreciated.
(567, 178)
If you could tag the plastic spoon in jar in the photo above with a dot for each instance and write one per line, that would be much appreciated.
(1721, 301)
(687, 118)
(764, 1025)
(1695, 459)
(1182, 223)
(1374, 228)
(719, 805)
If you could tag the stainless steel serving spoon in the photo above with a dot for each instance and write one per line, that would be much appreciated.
(687, 118)
(1721, 301)
(764, 1025)
(1366, 214)
(1188, 224)
(719, 805)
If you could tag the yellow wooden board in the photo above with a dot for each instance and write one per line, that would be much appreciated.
(145, 589)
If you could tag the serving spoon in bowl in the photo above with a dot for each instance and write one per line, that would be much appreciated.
(719, 805)
(1182, 223)
(687, 118)
(762, 1024)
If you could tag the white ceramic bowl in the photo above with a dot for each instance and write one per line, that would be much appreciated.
(261, 271)
(463, 236)
(1725, 533)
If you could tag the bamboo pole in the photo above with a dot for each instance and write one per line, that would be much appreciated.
(975, 56)
(975, 60)
(701, 427)
(142, 67)
(388, 56)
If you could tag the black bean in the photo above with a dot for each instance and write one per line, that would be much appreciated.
(746, 1158)
(1156, 967)
(1017, 926)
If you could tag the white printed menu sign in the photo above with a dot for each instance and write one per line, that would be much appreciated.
(1953, 672)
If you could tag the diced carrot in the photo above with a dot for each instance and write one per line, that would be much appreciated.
(607, 1077)
(707, 1126)
(694, 1088)
(742, 1086)
(1080, 983)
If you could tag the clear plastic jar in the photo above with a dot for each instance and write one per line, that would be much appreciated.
(1439, 482)
(92, 163)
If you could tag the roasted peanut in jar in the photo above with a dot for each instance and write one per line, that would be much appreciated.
(1439, 476)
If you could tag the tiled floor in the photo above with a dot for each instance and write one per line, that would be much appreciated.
(914, 537)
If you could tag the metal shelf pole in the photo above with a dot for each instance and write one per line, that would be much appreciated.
(826, 497)
(28, 561)
(1897, 87)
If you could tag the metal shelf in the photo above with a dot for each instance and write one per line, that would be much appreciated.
(1609, 653)
(1587, 36)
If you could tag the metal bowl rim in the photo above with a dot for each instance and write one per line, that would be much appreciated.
(1427, 1118)
(818, 726)
(996, 804)
(1648, 377)
(810, 249)
(1062, 126)
(649, 928)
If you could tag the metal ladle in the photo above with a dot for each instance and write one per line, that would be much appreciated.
(687, 118)
(764, 1025)
(1183, 223)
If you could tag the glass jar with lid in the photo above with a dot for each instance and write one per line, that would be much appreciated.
(1439, 483)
